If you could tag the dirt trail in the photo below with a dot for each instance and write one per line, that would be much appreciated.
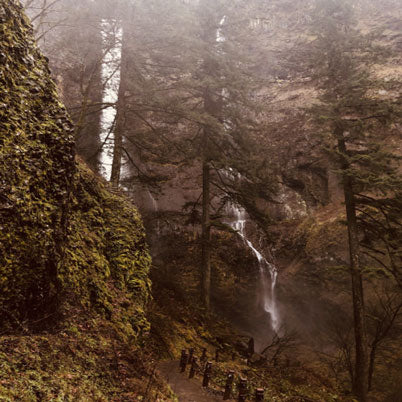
(187, 390)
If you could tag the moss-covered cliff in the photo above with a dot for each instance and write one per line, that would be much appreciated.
(36, 172)
(73, 258)
(65, 240)
(106, 258)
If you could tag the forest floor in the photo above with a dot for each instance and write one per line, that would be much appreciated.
(187, 390)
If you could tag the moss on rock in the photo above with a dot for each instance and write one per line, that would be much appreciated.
(36, 172)
(107, 261)
(66, 241)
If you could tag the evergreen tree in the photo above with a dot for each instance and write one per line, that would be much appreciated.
(190, 99)
(354, 121)
(72, 35)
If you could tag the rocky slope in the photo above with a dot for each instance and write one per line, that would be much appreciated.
(73, 258)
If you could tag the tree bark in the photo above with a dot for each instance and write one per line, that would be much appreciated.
(206, 232)
(371, 366)
(212, 108)
(360, 383)
(117, 146)
(120, 116)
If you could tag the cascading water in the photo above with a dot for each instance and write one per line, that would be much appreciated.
(153, 200)
(111, 79)
(220, 38)
(268, 271)
(155, 210)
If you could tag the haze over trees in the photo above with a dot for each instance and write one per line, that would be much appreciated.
(257, 139)
(355, 124)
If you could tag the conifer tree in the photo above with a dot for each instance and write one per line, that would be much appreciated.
(354, 121)
(190, 99)
(70, 34)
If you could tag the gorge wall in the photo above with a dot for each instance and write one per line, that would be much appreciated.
(74, 263)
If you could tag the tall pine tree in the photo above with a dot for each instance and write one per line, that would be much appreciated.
(354, 121)
(189, 99)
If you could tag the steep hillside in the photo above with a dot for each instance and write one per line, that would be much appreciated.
(77, 319)
(73, 258)
(37, 170)
(63, 234)
(308, 235)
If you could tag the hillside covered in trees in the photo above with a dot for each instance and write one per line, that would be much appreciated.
(222, 176)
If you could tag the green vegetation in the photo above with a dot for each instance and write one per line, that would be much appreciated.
(106, 260)
(85, 362)
(79, 318)
(73, 259)
(36, 175)
(353, 123)
(178, 321)
(65, 239)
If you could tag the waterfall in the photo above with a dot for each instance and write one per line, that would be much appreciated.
(220, 38)
(268, 271)
(155, 210)
(153, 201)
(111, 31)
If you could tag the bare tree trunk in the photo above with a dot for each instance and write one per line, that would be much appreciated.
(371, 366)
(121, 115)
(212, 108)
(117, 147)
(360, 383)
(206, 234)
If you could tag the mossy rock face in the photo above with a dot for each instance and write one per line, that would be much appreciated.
(106, 259)
(65, 239)
(36, 171)
(326, 240)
